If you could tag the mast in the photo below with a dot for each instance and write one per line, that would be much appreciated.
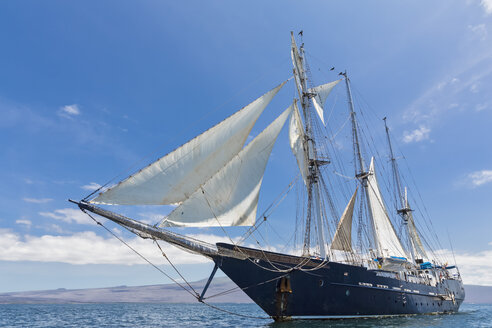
(404, 209)
(360, 172)
(394, 166)
(314, 201)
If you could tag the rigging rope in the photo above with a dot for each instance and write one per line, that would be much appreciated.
(276, 269)
(196, 295)
(175, 269)
(194, 124)
(140, 255)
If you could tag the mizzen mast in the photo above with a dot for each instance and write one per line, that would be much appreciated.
(414, 243)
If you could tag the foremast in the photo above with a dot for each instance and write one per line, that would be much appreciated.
(314, 208)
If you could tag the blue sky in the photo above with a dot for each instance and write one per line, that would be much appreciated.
(91, 90)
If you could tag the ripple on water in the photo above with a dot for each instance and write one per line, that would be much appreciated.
(198, 315)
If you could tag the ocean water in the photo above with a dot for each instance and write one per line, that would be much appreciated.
(199, 315)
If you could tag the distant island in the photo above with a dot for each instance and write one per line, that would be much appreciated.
(169, 293)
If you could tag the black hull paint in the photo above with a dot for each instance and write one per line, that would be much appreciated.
(334, 289)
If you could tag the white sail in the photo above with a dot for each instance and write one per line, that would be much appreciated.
(297, 140)
(319, 95)
(418, 247)
(230, 197)
(174, 177)
(343, 236)
(297, 62)
(385, 236)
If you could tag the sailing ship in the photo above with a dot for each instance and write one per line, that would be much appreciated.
(361, 265)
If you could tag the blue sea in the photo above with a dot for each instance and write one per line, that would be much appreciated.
(199, 315)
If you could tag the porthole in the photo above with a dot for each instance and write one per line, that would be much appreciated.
(347, 293)
(321, 282)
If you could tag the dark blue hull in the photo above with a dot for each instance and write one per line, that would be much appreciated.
(332, 289)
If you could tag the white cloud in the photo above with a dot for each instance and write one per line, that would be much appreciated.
(91, 186)
(55, 228)
(25, 222)
(487, 6)
(69, 215)
(475, 268)
(151, 218)
(479, 178)
(469, 74)
(37, 200)
(417, 135)
(474, 88)
(89, 248)
(479, 30)
(69, 111)
(480, 107)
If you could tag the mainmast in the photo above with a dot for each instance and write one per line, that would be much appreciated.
(313, 188)
(360, 171)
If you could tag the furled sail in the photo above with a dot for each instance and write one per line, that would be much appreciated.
(343, 236)
(174, 177)
(385, 236)
(297, 62)
(418, 247)
(230, 197)
(297, 142)
(319, 95)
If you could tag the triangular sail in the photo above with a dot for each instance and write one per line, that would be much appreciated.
(343, 236)
(174, 177)
(230, 197)
(297, 142)
(385, 236)
(319, 95)
(418, 247)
